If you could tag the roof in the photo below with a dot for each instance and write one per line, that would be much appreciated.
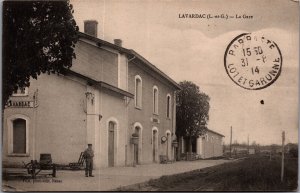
(215, 132)
(99, 83)
(131, 53)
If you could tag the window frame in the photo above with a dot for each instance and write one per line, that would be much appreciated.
(169, 107)
(155, 102)
(10, 129)
(136, 102)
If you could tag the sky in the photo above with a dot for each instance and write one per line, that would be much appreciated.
(193, 49)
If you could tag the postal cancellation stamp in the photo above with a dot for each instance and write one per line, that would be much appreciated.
(253, 62)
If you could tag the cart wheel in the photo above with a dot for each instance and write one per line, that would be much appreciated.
(30, 169)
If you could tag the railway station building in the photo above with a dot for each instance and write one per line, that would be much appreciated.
(108, 94)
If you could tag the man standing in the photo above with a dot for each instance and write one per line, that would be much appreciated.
(88, 156)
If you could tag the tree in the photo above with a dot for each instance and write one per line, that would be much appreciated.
(294, 152)
(253, 144)
(192, 112)
(38, 37)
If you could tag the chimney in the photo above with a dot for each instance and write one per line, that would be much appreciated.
(91, 27)
(118, 42)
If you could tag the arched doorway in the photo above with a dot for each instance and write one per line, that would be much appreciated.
(111, 143)
(137, 149)
(154, 144)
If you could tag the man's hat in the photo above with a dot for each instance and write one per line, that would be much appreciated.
(89, 144)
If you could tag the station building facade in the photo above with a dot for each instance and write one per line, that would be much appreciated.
(108, 94)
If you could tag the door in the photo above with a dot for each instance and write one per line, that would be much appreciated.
(111, 144)
(136, 154)
(137, 146)
(168, 146)
(154, 141)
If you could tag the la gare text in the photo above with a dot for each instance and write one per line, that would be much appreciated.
(214, 16)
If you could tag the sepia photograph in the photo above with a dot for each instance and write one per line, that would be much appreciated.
(150, 95)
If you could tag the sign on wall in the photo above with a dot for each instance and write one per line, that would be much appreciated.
(20, 104)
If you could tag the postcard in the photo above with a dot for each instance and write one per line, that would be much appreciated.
(164, 95)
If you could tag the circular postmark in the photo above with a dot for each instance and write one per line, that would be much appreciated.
(253, 62)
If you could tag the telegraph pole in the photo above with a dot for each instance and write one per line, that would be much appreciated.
(230, 140)
(282, 156)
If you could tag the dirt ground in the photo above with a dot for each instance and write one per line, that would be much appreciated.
(250, 174)
(106, 178)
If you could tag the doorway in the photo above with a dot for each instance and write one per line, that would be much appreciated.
(111, 144)
(137, 147)
(154, 145)
(168, 145)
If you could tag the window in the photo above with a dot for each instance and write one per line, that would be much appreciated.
(138, 91)
(19, 136)
(23, 91)
(212, 139)
(206, 137)
(90, 27)
(155, 100)
(168, 106)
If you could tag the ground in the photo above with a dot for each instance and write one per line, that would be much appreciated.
(105, 179)
(257, 173)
